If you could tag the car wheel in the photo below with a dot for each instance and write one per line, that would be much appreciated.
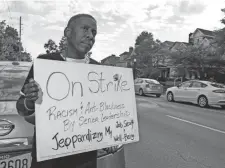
(141, 93)
(222, 106)
(203, 101)
(158, 95)
(170, 97)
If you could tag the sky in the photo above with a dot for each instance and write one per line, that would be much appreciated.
(119, 21)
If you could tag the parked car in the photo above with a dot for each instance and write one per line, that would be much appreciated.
(144, 86)
(203, 93)
(16, 134)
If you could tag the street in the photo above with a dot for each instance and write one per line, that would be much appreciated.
(177, 135)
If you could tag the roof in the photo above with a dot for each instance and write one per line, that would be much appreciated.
(124, 53)
(109, 57)
(110, 60)
(205, 32)
(168, 43)
(177, 42)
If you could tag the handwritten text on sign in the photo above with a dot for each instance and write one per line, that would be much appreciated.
(85, 107)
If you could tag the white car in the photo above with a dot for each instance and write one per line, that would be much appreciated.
(144, 86)
(203, 93)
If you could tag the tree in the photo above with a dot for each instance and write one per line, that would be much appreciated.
(162, 55)
(51, 46)
(144, 36)
(223, 19)
(62, 44)
(146, 51)
(26, 56)
(11, 48)
(198, 58)
(219, 40)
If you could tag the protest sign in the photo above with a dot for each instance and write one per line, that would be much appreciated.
(84, 107)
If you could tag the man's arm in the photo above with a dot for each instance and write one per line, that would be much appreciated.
(24, 106)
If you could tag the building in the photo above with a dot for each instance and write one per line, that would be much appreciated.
(204, 39)
(179, 46)
(162, 57)
(125, 57)
(111, 60)
(200, 36)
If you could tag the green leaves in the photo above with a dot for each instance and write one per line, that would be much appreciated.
(10, 45)
(223, 20)
(146, 53)
(144, 36)
(62, 44)
(51, 46)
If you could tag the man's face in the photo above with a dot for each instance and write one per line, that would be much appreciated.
(84, 30)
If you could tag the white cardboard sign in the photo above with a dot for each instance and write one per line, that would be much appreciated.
(84, 107)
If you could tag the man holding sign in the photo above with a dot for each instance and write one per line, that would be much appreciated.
(80, 33)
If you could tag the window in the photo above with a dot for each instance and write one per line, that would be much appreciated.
(186, 84)
(151, 81)
(203, 85)
(11, 81)
(138, 81)
(196, 85)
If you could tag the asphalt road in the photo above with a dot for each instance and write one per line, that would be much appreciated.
(177, 135)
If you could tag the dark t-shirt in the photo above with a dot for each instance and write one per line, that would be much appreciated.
(78, 158)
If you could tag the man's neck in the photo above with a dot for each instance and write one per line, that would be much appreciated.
(72, 53)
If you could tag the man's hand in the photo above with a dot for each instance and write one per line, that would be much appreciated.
(32, 91)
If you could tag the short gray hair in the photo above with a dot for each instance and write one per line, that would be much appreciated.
(73, 18)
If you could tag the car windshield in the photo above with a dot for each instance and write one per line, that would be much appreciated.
(12, 78)
(151, 81)
(218, 85)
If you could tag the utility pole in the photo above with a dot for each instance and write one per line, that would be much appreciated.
(20, 25)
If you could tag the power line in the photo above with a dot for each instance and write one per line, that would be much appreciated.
(9, 12)
(8, 9)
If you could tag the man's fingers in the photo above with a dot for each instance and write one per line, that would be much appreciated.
(31, 83)
(34, 89)
(32, 95)
(34, 98)
(36, 84)
(29, 89)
